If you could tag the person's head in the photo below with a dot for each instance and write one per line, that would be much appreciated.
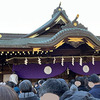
(54, 86)
(79, 81)
(7, 93)
(71, 83)
(40, 82)
(25, 86)
(93, 80)
(36, 84)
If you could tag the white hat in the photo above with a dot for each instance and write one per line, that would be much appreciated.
(13, 78)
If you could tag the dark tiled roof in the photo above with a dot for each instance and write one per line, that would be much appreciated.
(21, 42)
(48, 41)
(51, 22)
(8, 36)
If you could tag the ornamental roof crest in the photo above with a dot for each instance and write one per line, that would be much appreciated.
(74, 24)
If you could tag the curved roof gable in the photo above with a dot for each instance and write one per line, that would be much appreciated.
(59, 14)
(73, 32)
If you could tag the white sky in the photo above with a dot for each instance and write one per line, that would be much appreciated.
(24, 16)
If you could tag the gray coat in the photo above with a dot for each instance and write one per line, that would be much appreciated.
(28, 96)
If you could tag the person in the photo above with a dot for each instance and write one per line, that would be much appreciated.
(14, 78)
(7, 93)
(95, 90)
(53, 86)
(71, 82)
(13, 82)
(36, 86)
(86, 82)
(74, 94)
(40, 82)
(80, 83)
(13, 85)
(26, 91)
(77, 95)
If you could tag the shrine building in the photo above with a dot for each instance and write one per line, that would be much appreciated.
(60, 48)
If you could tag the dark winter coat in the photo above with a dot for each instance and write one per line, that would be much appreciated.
(95, 91)
(78, 95)
(82, 88)
(28, 96)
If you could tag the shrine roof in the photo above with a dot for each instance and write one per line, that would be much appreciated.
(56, 15)
(49, 41)
(70, 29)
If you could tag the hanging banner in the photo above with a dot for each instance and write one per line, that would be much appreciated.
(36, 71)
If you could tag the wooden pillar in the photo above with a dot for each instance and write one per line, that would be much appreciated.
(1, 77)
(1, 74)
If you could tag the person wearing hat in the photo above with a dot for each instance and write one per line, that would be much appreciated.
(13, 81)
(54, 87)
(80, 83)
(94, 83)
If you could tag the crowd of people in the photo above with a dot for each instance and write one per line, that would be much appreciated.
(81, 88)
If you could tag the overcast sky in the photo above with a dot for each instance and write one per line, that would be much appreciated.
(24, 16)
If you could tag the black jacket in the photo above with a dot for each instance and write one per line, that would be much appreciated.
(82, 88)
(78, 95)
